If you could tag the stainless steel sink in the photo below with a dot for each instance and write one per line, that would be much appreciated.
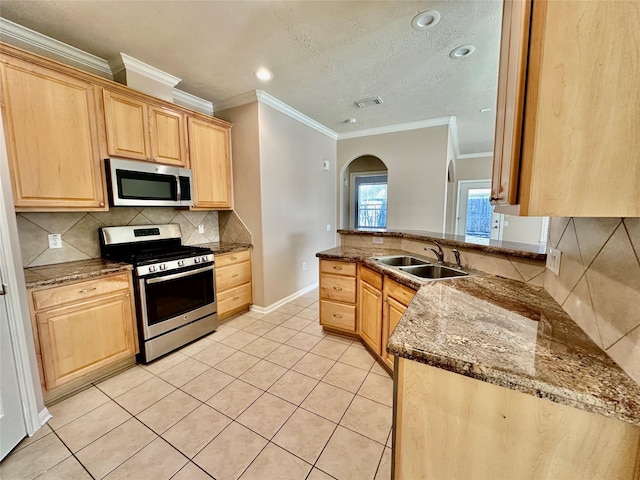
(401, 260)
(433, 271)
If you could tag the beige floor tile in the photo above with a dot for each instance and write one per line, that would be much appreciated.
(123, 382)
(184, 372)
(304, 341)
(384, 470)
(234, 398)
(293, 387)
(196, 430)
(315, 305)
(168, 411)
(230, 453)
(240, 322)
(25, 442)
(315, 329)
(76, 406)
(239, 339)
(34, 459)
(353, 467)
(356, 356)
(340, 338)
(69, 469)
(378, 388)
(191, 472)
(91, 426)
(285, 356)
(319, 475)
(276, 317)
(330, 348)
(280, 334)
(144, 395)
(328, 401)
(259, 327)
(110, 450)
(308, 314)
(223, 331)
(165, 363)
(263, 374)
(345, 376)
(214, 354)
(237, 364)
(207, 385)
(368, 418)
(276, 463)
(303, 301)
(197, 347)
(305, 434)
(261, 347)
(379, 370)
(289, 309)
(314, 365)
(297, 323)
(266, 415)
(158, 461)
(254, 314)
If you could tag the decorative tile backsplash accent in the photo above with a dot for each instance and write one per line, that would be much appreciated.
(80, 230)
(599, 282)
(232, 228)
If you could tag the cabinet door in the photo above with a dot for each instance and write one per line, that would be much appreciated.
(52, 139)
(392, 312)
(370, 312)
(210, 159)
(79, 339)
(168, 138)
(127, 124)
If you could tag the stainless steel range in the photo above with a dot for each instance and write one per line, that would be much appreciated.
(174, 284)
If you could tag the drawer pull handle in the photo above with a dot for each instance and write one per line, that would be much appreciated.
(337, 289)
(337, 315)
(234, 275)
(337, 268)
(236, 298)
(85, 290)
(234, 258)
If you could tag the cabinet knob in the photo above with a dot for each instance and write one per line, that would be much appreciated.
(102, 204)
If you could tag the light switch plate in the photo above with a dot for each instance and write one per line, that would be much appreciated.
(553, 260)
(55, 240)
(378, 241)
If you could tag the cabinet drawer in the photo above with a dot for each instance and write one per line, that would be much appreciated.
(226, 259)
(232, 276)
(338, 315)
(338, 268)
(372, 278)
(341, 289)
(234, 298)
(398, 291)
(79, 291)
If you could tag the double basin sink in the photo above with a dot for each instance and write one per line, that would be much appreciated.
(420, 268)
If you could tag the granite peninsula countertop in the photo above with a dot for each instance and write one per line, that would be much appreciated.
(515, 249)
(59, 273)
(507, 333)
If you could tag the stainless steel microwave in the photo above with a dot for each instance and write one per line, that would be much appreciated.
(143, 184)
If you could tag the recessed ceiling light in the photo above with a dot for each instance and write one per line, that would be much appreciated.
(263, 74)
(350, 121)
(426, 20)
(462, 52)
(369, 102)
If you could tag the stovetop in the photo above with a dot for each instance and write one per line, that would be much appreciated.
(154, 255)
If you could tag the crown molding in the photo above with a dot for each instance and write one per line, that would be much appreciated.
(401, 127)
(236, 101)
(191, 101)
(465, 156)
(129, 63)
(35, 39)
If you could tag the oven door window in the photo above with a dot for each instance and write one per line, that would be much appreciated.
(146, 186)
(175, 297)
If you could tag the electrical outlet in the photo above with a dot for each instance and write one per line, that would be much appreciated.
(304, 265)
(553, 260)
(328, 227)
(200, 228)
(378, 241)
(55, 240)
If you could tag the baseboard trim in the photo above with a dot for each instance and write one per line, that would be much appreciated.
(44, 416)
(279, 303)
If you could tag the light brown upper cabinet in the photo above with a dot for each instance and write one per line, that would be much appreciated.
(210, 156)
(568, 111)
(143, 131)
(52, 138)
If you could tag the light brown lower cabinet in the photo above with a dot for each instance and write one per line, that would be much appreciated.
(451, 427)
(370, 308)
(338, 296)
(233, 283)
(83, 330)
(397, 298)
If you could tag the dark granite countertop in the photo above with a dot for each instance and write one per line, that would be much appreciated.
(59, 273)
(507, 333)
(515, 249)
(226, 247)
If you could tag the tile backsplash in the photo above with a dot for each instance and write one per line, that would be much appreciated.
(599, 282)
(80, 230)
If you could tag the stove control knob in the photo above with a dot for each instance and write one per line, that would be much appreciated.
(180, 263)
(204, 259)
(163, 266)
(152, 268)
(196, 259)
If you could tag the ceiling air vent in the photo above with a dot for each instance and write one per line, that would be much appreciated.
(369, 102)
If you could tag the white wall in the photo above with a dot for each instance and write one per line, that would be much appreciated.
(417, 166)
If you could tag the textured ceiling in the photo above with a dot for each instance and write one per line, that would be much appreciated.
(324, 54)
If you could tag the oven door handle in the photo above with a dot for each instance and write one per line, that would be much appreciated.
(179, 275)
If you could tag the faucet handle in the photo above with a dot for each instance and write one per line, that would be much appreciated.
(456, 252)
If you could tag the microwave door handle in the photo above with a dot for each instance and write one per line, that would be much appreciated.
(179, 275)
(178, 191)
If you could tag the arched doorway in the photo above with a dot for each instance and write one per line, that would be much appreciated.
(364, 193)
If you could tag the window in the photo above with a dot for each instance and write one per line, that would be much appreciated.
(370, 201)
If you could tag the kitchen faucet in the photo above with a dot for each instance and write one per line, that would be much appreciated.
(439, 253)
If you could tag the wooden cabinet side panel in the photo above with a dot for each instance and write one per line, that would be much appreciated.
(455, 427)
(127, 123)
(392, 312)
(370, 313)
